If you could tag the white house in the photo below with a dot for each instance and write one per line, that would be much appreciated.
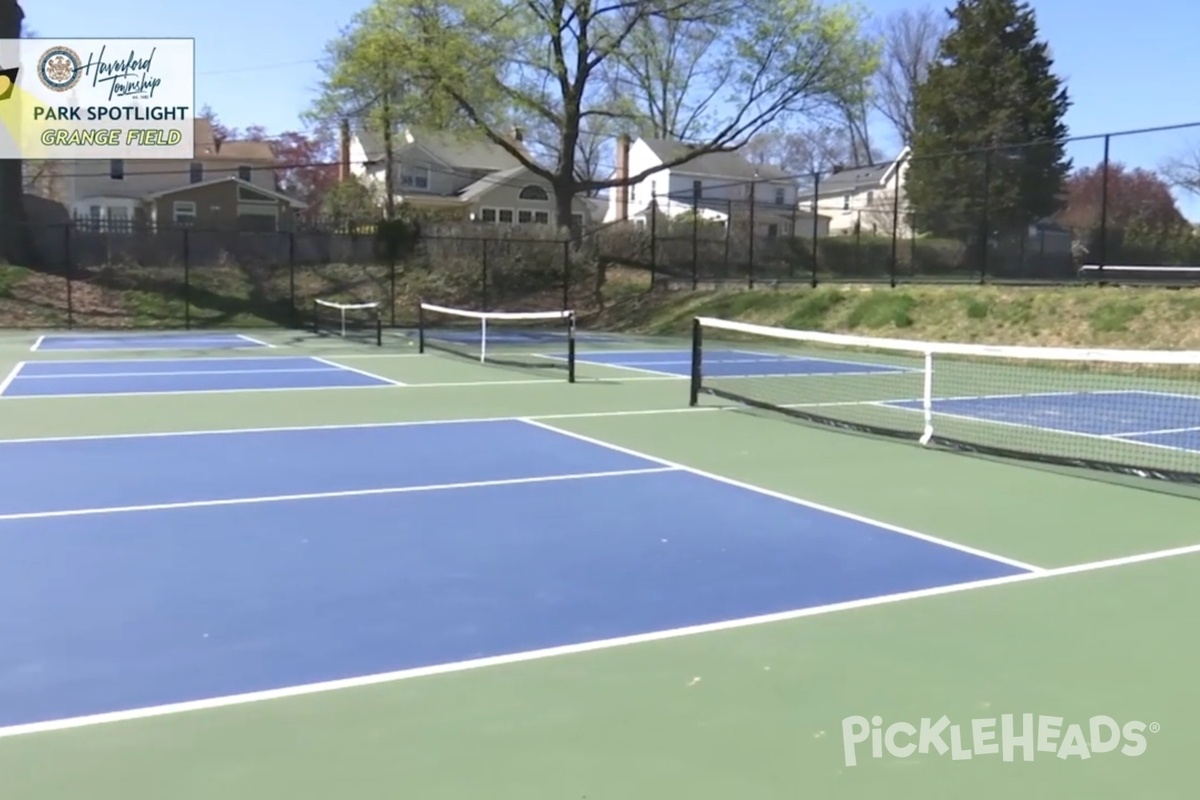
(470, 176)
(115, 192)
(863, 200)
(719, 186)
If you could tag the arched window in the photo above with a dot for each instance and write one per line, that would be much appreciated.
(532, 192)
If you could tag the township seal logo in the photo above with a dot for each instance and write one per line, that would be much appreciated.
(60, 69)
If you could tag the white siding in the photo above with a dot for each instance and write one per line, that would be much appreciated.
(93, 179)
(674, 190)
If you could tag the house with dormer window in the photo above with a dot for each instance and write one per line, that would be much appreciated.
(456, 173)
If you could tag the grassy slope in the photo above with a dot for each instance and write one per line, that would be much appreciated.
(1073, 316)
(1068, 316)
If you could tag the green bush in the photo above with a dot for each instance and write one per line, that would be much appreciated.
(882, 310)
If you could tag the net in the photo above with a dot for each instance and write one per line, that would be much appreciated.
(535, 340)
(355, 321)
(1119, 411)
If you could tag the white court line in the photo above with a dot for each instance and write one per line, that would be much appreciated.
(258, 342)
(362, 372)
(178, 359)
(781, 496)
(179, 392)
(1101, 437)
(1161, 432)
(180, 372)
(582, 647)
(365, 425)
(287, 498)
(655, 372)
(10, 377)
(37, 343)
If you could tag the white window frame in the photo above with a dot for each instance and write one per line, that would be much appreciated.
(483, 214)
(846, 202)
(541, 217)
(524, 216)
(780, 196)
(414, 178)
(116, 169)
(773, 231)
(544, 199)
(501, 212)
(183, 211)
(245, 173)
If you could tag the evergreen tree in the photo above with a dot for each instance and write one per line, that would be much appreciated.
(992, 84)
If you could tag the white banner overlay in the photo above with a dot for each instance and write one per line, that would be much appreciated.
(97, 99)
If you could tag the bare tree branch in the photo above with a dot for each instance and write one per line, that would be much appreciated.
(910, 42)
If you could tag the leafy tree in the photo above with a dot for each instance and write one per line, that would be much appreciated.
(480, 65)
(306, 168)
(992, 85)
(349, 203)
(1134, 197)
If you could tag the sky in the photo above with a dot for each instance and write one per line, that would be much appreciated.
(1126, 67)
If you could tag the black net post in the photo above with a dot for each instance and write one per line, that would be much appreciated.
(378, 328)
(571, 348)
(697, 352)
(421, 325)
(187, 280)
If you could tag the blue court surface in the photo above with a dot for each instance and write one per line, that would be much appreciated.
(732, 363)
(170, 376)
(1150, 418)
(139, 575)
(147, 341)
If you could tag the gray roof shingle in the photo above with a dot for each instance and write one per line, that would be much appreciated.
(730, 164)
(459, 151)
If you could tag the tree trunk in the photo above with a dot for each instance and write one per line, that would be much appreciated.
(15, 239)
(564, 205)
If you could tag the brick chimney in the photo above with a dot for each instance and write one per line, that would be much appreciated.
(622, 173)
(344, 152)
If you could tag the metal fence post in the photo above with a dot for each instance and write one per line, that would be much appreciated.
(566, 287)
(69, 274)
(653, 238)
(985, 225)
(695, 237)
(292, 278)
(1103, 254)
(816, 224)
(750, 245)
(895, 224)
(187, 280)
(483, 278)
